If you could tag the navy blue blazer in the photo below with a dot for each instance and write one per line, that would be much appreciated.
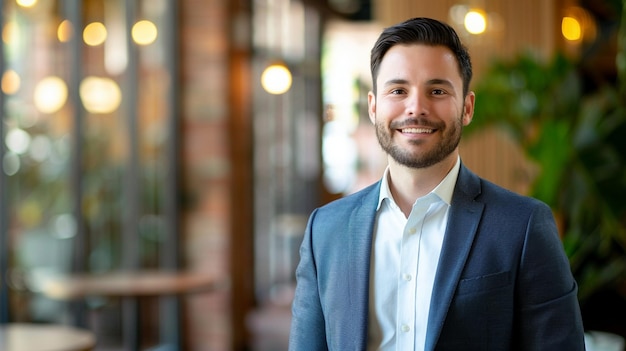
(503, 281)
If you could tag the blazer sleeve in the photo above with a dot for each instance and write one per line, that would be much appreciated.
(307, 325)
(548, 315)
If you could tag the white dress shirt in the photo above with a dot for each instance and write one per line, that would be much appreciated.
(405, 254)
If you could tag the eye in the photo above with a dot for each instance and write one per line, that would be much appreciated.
(438, 92)
(397, 91)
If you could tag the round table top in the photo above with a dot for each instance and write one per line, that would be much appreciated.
(128, 284)
(44, 337)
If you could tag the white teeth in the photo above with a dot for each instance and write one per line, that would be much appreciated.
(416, 130)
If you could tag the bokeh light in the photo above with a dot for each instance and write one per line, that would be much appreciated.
(100, 95)
(10, 82)
(475, 21)
(578, 25)
(276, 79)
(64, 226)
(94, 34)
(26, 3)
(571, 29)
(144, 32)
(65, 31)
(11, 163)
(50, 94)
(17, 140)
(10, 33)
(40, 148)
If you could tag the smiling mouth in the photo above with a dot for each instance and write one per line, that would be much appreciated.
(417, 130)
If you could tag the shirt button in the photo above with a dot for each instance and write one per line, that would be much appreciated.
(412, 230)
(406, 277)
(405, 328)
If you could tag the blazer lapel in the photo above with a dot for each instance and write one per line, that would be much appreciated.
(463, 219)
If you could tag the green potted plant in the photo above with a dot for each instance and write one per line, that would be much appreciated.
(576, 138)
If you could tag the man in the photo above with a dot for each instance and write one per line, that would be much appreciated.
(432, 257)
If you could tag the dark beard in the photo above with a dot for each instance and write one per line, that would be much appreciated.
(450, 141)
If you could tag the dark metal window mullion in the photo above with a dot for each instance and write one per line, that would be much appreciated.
(169, 258)
(130, 237)
(170, 254)
(73, 10)
(130, 229)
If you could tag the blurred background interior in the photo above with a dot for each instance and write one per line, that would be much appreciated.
(159, 158)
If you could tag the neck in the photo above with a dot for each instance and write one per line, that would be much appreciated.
(409, 184)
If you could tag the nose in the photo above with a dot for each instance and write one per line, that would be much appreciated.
(416, 104)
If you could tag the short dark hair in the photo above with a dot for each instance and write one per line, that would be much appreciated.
(425, 31)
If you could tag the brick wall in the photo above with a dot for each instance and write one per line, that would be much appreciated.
(206, 167)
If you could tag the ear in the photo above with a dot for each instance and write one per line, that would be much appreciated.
(371, 106)
(468, 108)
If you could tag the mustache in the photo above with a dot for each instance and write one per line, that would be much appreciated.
(414, 121)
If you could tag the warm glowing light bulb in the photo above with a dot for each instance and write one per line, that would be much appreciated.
(50, 94)
(94, 34)
(10, 82)
(571, 28)
(65, 31)
(144, 32)
(26, 3)
(276, 79)
(100, 95)
(475, 22)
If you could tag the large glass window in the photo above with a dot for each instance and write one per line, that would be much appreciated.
(88, 152)
(286, 141)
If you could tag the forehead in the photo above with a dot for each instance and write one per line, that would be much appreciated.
(419, 60)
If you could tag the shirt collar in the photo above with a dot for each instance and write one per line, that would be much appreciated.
(444, 190)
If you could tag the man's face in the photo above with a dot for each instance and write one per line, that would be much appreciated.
(419, 109)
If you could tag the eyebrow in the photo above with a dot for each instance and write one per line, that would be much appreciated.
(438, 81)
(395, 82)
(434, 81)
